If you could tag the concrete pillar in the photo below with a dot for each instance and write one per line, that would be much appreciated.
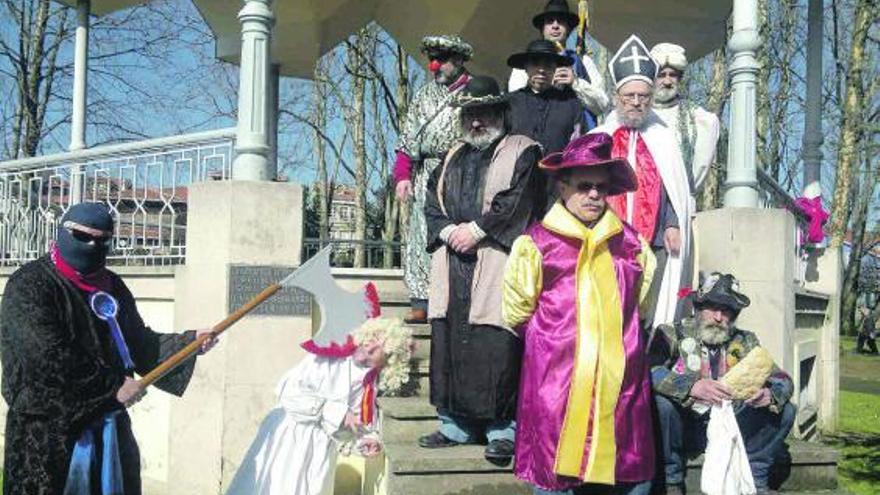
(812, 152)
(252, 142)
(274, 83)
(742, 181)
(232, 223)
(80, 76)
(727, 243)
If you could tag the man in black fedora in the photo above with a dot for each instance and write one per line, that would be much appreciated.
(695, 355)
(479, 200)
(551, 115)
(555, 23)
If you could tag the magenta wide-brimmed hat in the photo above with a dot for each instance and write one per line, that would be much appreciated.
(593, 150)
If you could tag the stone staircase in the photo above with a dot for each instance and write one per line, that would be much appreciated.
(412, 470)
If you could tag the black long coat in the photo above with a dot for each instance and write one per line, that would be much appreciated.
(475, 368)
(61, 373)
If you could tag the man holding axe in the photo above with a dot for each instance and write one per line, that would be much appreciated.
(71, 340)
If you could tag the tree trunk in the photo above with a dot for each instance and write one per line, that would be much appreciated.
(710, 196)
(849, 291)
(762, 99)
(356, 62)
(403, 96)
(323, 189)
(851, 130)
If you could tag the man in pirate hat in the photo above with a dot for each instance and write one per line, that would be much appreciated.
(661, 208)
(479, 200)
(582, 243)
(431, 128)
(696, 129)
(555, 23)
(695, 355)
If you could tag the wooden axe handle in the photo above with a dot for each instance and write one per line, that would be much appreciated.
(193, 347)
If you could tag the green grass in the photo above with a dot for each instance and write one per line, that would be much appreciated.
(859, 429)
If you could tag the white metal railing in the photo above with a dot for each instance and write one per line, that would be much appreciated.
(144, 184)
(772, 195)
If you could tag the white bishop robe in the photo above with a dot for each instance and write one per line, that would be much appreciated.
(295, 452)
(661, 143)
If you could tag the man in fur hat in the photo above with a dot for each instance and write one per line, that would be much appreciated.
(694, 355)
(584, 349)
(661, 209)
(696, 130)
(71, 340)
(479, 201)
(555, 23)
(430, 129)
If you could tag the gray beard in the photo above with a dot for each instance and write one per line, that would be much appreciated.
(633, 122)
(482, 142)
(711, 334)
(665, 95)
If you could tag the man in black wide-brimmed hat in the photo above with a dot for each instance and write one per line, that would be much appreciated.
(478, 201)
(696, 354)
(549, 114)
(556, 23)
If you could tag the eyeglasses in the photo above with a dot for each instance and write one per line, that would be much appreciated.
(89, 238)
(586, 186)
(635, 98)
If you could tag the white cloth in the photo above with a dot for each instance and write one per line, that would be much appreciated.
(295, 451)
(667, 157)
(703, 134)
(726, 468)
(591, 93)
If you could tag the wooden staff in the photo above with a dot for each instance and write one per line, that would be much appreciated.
(193, 347)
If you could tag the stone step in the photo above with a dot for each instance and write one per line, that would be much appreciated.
(813, 466)
(405, 419)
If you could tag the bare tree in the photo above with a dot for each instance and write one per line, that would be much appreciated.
(851, 128)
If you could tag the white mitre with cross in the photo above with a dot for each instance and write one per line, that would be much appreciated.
(632, 62)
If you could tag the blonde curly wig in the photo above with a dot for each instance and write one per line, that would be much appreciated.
(398, 346)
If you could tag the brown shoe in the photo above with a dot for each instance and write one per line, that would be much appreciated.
(416, 316)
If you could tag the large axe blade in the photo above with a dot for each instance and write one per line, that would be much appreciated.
(342, 311)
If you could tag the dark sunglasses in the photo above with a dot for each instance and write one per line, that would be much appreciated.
(441, 57)
(585, 186)
(89, 238)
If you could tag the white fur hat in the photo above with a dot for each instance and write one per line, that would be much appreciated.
(670, 55)
(813, 190)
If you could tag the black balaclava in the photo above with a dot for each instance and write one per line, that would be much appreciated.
(85, 257)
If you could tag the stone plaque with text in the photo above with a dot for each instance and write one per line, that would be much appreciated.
(246, 281)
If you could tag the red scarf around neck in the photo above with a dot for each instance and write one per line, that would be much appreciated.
(99, 280)
(646, 200)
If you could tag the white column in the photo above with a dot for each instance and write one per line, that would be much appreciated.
(742, 182)
(80, 84)
(251, 141)
(812, 152)
(274, 83)
(80, 76)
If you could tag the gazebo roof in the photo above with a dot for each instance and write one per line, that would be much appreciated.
(307, 29)
(103, 7)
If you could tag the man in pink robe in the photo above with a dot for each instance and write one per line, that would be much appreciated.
(572, 289)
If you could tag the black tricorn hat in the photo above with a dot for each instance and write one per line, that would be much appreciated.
(721, 289)
(538, 49)
(479, 91)
(559, 9)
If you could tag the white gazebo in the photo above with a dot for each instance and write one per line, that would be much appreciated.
(255, 222)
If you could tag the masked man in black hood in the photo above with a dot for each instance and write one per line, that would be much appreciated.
(71, 340)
